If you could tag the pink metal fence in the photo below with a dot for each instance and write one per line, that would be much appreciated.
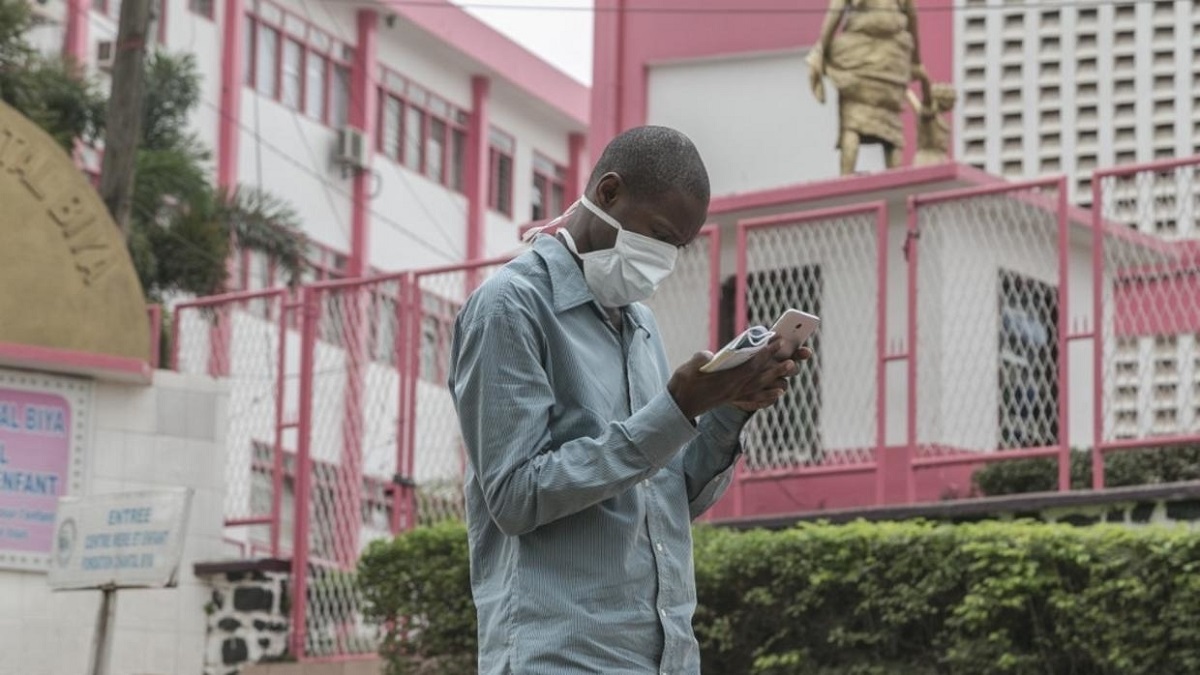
(342, 429)
(1146, 289)
(831, 420)
(243, 338)
(988, 317)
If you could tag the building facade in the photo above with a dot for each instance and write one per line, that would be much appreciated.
(405, 137)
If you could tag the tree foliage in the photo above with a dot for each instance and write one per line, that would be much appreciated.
(182, 226)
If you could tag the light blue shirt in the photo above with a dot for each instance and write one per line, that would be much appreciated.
(584, 477)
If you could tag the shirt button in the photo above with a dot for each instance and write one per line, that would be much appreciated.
(663, 612)
(658, 546)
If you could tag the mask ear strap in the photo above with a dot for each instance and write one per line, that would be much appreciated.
(535, 231)
(599, 213)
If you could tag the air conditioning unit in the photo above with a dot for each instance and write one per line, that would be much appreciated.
(352, 148)
(106, 55)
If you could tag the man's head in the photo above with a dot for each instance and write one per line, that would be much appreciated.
(652, 180)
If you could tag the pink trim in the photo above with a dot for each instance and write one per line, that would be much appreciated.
(230, 112)
(75, 41)
(499, 56)
(1064, 322)
(478, 167)
(839, 187)
(713, 232)
(911, 254)
(969, 457)
(155, 314)
(362, 117)
(277, 466)
(1156, 166)
(1149, 443)
(71, 362)
(881, 333)
(805, 471)
(577, 172)
(630, 37)
(304, 473)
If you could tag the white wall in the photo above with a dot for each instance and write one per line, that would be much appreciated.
(189, 33)
(754, 119)
(170, 434)
(319, 192)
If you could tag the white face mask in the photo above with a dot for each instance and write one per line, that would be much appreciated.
(628, 272)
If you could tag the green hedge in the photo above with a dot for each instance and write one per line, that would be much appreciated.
(1131, 467)
(906, 598)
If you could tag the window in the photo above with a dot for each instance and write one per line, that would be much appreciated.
(340, 97)
(390, 120)
(265, 54)
(500, 170)
(789, 433)
(202, 7)
(293, 55)
(1027, 365)
(248, 50)
(414, 138)
(298, 65)
(548, 188)
(422, 131)
(316, 67)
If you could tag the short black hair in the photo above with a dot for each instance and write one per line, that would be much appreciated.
(653, 160)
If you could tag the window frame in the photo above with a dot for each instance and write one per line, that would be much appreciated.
(210, 15)
(313, 42)
(553, 175)
(501, 145)
(413, 97)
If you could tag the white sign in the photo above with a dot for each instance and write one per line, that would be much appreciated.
(123, 540)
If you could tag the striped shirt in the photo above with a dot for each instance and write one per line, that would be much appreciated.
(584, 477)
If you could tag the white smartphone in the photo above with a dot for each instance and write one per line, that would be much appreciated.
(796, 327)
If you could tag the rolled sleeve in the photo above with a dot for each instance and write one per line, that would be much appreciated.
(710, 458)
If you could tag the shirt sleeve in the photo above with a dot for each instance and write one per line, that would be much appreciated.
(505, 400)
(709, 459)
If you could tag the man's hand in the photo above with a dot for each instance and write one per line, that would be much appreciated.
(768, 392)
(756, 382)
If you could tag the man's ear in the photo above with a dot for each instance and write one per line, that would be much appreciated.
(609, 190)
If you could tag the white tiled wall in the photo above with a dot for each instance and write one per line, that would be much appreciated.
(170, 434)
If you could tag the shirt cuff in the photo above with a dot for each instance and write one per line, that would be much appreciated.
(730, 418)
(660, 429)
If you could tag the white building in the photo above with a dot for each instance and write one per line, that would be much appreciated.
(406, 137)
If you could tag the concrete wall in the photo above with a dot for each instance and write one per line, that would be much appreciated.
(753, 118)
(170, 434)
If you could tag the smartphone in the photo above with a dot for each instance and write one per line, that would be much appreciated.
(796, 327)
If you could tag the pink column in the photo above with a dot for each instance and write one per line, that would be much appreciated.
(607, 78)
(229, 118)
(228, 135)
(362, 117)
(577, 169)
(356, 300)
(477, 179)
(75, 42)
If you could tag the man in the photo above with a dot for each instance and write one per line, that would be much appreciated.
(588, 458)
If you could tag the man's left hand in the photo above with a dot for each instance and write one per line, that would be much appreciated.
(767, 392)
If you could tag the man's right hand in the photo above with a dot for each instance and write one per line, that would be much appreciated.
(696, 393)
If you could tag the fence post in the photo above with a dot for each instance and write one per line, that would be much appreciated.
(402, 517)
(881, 307)
(348, 505)
(1064, 328)
(285, 310)
(310, 320)
(1098, 382)
(896, 471)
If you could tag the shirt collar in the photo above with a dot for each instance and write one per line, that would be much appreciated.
(567, 285)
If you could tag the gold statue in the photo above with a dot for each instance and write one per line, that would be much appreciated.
(871, 63)
(933, 131)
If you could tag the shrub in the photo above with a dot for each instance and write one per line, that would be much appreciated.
(1130, 467)
(906, 598)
